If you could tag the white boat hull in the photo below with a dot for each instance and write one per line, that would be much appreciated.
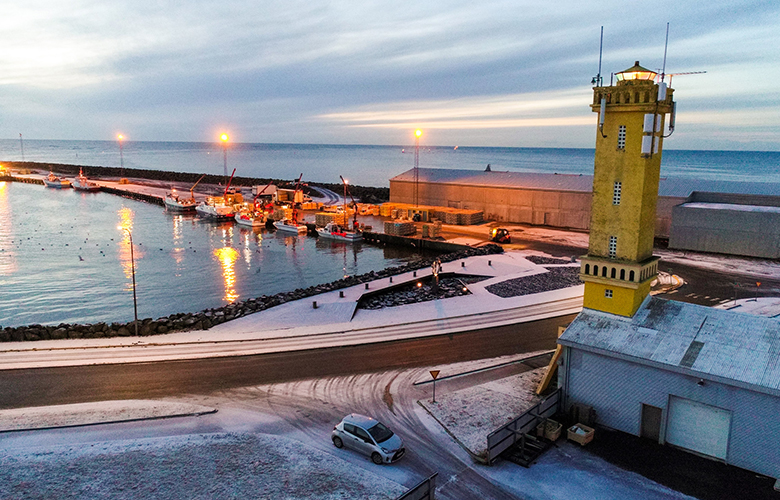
(250, 221)
(291, 228)
(79, 185)
(179, 205)
(348, 236)
(218, 212)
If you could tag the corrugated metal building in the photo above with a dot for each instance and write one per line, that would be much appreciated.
(727, 223)
(702, 379)
(556, 200)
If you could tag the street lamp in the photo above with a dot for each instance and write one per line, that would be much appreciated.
(417, 134)
(132, 272)
(120, 138)
(224, 138)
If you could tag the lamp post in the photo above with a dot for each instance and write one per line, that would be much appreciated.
(120, 137)
(417, 134)
(224, 138)
(132, 271)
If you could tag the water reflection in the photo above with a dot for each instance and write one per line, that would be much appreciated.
(126, 217)
(227, 256)
(7, 254)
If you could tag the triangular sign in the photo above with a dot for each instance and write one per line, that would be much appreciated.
(434, 374)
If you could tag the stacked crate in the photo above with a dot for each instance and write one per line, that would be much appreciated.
(400, 228)
(321, 219)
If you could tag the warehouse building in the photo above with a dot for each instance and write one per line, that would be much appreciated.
(727, 223)
(555, 200)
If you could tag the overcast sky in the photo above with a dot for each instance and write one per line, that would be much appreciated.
(492, 73)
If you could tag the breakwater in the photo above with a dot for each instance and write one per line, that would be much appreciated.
(207, 318)
(366, 194)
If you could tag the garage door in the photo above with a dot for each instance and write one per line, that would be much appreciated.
(698, 427)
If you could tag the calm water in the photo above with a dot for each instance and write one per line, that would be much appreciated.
(63, 259)
(374, 165)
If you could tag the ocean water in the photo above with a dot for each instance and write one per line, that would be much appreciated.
(373, 165)
(63, 259)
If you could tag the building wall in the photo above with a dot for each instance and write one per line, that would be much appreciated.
(616, 389)
(564, 209)
(719, 230)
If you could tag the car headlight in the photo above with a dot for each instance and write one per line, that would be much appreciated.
(385, 450)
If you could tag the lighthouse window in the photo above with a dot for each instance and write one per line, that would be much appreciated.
(616, 191)
(612, 247)
(608, 293)
(622, 137)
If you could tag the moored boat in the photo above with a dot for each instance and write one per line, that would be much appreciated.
(177, 203)
(52, 181)
(291, 226)
(335, 231)
(81, 183)
(216, 208)
(251, 218)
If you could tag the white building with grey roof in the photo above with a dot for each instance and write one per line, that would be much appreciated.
(702, 379)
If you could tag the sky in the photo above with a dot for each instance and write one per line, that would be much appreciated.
(493, 73)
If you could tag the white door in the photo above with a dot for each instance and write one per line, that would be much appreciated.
(698, 427)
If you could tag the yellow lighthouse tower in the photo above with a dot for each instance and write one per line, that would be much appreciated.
(620, 264)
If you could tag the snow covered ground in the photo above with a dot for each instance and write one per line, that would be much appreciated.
(249, 450)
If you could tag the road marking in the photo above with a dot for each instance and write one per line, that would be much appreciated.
(673, 291)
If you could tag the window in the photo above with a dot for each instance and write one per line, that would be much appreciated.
(631, 276)
(608, 293)
(587, 268)
(622, 137)
(616, 192)
(604, 272)
(612, 247)
(612, 274)
(623, 274)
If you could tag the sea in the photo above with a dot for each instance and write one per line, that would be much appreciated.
(65, 256)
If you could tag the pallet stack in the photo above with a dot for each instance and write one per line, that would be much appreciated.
(321, 219)
(400, 228)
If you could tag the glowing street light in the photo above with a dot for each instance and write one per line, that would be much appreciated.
(132, 267)
(417, 134)
(224, 138)
(120, 138)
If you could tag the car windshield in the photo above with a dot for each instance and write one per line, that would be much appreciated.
(380, 433)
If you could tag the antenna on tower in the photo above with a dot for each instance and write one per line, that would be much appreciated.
(666, 46)
(597, 80)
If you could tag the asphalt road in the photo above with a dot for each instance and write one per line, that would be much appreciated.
(61, 385)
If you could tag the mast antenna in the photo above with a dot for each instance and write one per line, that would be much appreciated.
(597, 80)
(666, 46)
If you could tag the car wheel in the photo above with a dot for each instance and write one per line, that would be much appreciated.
(376, 458)
(337, 442)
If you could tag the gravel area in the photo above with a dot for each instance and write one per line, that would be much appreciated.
(554, 279)
(204, 466)
(412, 294)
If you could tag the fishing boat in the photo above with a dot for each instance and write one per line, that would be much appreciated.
(174, 202)
(253, 215)
(220, 208)
(293, 225)
(52, 181)
(335, 231)
(81, 183)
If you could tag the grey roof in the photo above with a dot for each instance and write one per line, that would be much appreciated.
(680, 187)
(731, 347)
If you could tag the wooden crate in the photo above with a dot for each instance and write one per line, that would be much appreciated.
(581, 438)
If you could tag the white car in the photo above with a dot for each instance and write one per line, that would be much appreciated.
(368, 436)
